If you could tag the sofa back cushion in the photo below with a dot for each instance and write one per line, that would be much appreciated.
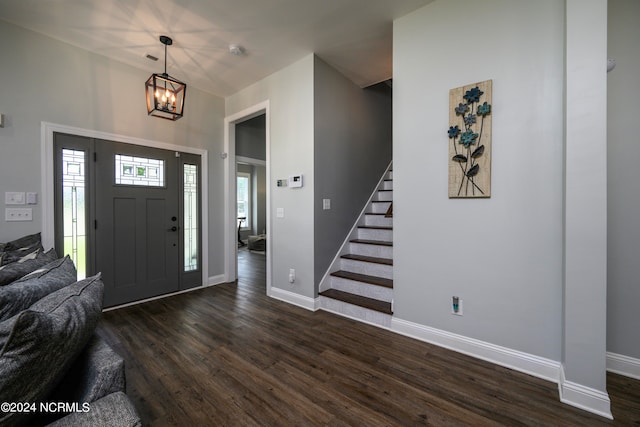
(38, 345)
(24, 292)
(20, 248)
(12, 272)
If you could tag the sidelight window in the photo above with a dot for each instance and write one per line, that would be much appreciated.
(190, 217)
(74, 208)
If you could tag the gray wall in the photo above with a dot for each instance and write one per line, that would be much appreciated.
(46, 80)
(503, 255)
(623, 294)
(290, 96)
(352, 148)
(251, 138)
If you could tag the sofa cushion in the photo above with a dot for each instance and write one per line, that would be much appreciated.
(38, 345)
(15, 270)
(19, 248)
(113, 410)
(24, 292)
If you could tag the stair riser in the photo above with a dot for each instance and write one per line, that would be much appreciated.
(378, 221)
(387, 185)
(371, 250)
(389, 175)
(355, 312)
(360, 288)
(386, 196)
(375, 234)
(370, 268)
(380, 207)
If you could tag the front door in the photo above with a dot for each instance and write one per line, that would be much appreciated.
(136, 229)
(142, 222)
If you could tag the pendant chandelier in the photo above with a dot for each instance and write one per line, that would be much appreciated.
(165, 94)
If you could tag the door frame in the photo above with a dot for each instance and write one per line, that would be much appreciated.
(48, 181)
(229, 154)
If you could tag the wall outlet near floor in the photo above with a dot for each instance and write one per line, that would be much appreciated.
(456, 306)
(292, 275)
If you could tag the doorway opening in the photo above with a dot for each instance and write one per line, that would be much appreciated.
(247, 231)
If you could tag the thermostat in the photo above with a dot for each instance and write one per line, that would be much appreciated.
(295, 181)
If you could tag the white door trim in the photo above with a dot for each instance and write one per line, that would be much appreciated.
(230, 231)
(46, 138)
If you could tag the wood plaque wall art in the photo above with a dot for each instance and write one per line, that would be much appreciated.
(470, 141)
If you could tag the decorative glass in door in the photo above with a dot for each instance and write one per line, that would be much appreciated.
(74, 208)
(190, 217)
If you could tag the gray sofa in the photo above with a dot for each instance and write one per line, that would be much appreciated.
(54, 368)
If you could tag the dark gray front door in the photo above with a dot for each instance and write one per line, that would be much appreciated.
(140, 209)
(136, 231)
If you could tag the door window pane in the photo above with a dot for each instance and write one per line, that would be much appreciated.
(244, 199)
(141, 171)
(73, 209)
(190, 217)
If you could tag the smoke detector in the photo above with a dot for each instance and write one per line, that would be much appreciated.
(235, 49)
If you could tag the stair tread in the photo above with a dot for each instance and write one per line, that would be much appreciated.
(359, 300)
(372, 242)
(376, 227)
(375, 260)
(365, 278)
(384, 190)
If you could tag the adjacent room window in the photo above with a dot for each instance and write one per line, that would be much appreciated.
(139, 171)
(243, 189)
(74, 209)
(191, 232)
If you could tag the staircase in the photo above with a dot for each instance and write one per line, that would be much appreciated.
(360, 282)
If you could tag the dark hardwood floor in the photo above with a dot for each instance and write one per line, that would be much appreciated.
(230, 356)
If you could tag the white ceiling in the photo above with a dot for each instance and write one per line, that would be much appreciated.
(354, 36)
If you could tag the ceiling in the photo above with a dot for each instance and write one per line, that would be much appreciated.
(354, 36)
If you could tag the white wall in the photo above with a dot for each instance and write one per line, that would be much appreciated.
(503, 255)
(623, 292)
(46, 80)
(585, 220)
(290, 96)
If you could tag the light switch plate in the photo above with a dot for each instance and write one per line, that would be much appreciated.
(326, 204)
(279, 212)
(14, 198)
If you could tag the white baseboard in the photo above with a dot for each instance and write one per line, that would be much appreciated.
(216, 280)
(585, 398)
(293, 298)
(524, 362)
(623, 365)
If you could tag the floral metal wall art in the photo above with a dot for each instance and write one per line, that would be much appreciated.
(470, 141)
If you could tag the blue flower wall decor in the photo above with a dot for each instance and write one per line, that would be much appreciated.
(470, 141)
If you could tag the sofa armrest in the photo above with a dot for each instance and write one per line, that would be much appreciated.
(113, 410)
(98, 372)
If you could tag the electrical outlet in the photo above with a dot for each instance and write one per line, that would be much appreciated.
(456, 306)
(292, 275)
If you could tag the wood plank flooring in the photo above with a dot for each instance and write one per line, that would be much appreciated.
(231, 356)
